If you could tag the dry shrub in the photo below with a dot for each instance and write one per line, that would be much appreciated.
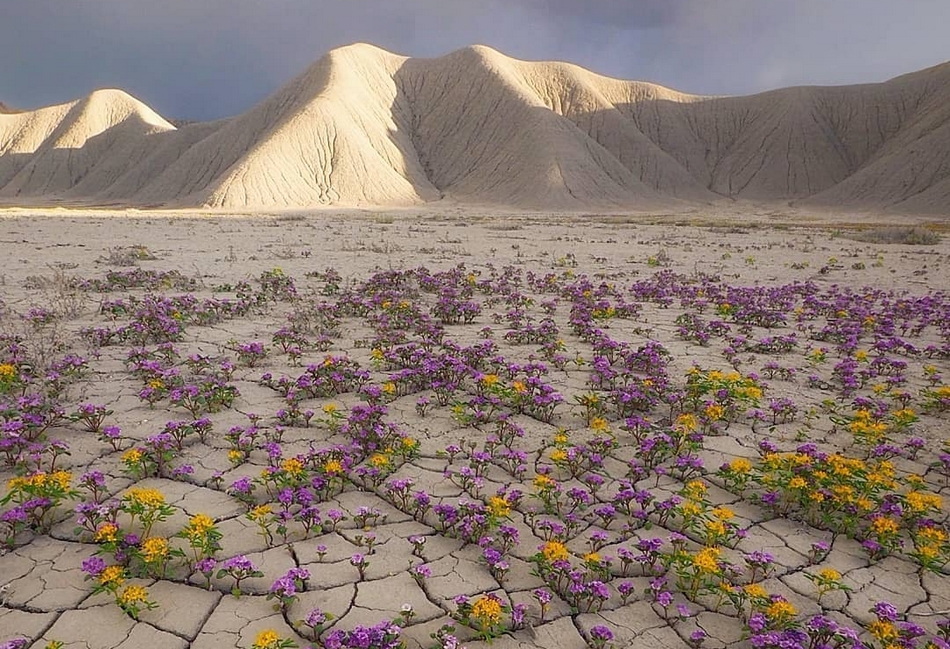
(911, 235)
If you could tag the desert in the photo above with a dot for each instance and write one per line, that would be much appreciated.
(471, 351)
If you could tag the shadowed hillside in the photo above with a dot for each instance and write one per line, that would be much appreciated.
(363, 126)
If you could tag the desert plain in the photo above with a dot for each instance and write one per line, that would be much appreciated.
(523, 429)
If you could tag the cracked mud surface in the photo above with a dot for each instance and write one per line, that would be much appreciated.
(46, 595)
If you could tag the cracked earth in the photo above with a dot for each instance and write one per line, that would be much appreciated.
(46, 596)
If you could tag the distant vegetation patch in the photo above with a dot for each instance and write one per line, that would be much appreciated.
(909, 235)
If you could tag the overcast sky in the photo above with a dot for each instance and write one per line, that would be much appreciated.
(202, 59)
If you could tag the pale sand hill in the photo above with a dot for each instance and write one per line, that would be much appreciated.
(366, 127)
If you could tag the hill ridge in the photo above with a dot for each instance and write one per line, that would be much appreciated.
(364, 126)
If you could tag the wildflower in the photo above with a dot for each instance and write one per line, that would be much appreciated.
(107, 533)
(714, 412)
(146, 497)
(780, 609)
(132, 456)
(134, 595)
(487, 610)
(154, 549)
(884, 630)
(499, 507)
(112, 576)
(8, 372)
(707, 560)
(266, 639)
(199, 525)
(259, 513)
(292, 466)
(740, 465)
(829, 574)
(333, 467)
(554, 551)
(687, 421)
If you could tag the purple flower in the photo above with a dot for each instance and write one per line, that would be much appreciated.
(601, 634)
(93, 566)
(315, 618)
(206, 566)
(543, 596)
(885, 611)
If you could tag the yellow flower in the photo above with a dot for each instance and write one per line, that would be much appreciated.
(558, 455)
(690, 508)
(156, 384)
(687, 421)
(107, 533)
(154, 548)
(499, 507)
(329, 408)
(389, 387)
(199, 526)
(919, 502)
(932, 534)
(487, 610)
(883, 630)
(592, 558)
(780, 609)
(62, 478)
(134, 595)
(928, 552)
(409, 443)
(829, 575)
(146, 497)
(714, 412)
(715, 529)
(560, 439)
(333, 467)
(293, 466)
(112, 575)
(259, 513)
(519, 387)
(266, 639)
(599, 424)
(753, 392)
(7, 372)
(132, 456)
(490, 379)
(554, 551)
(235, 455)
(707, 560)
(378, 460)
(883, 525)
(542, 482)
(860, 355)
(740, 465)
(695, 489)
(723, 513)
(797, 482)
(755, 591)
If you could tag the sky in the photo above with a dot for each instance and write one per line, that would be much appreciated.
(205, 59)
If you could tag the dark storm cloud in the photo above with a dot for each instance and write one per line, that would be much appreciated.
(208, 58)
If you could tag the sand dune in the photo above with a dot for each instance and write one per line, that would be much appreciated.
(363, 126)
